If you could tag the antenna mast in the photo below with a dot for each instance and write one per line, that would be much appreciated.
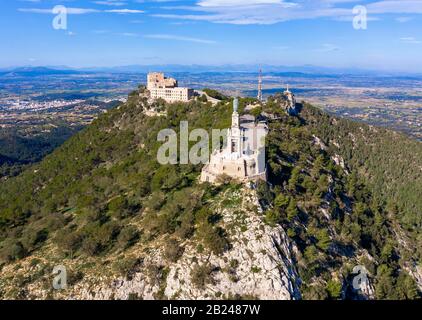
(260, 86)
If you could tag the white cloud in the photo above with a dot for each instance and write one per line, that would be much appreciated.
(274, 11)
(122, 34)
(81, 11)
(244, 12)
(50, 11)
(396, 6)
(327, 47)
(124, 11)
(126, 34)
(238, 3)
(404, 19)
(178, 38)
(258, 12)
(410, 40)
(115, 3)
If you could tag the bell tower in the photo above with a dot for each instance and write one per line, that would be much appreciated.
(235, 133)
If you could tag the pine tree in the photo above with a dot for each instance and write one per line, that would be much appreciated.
(292, 210)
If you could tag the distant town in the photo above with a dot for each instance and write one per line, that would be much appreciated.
(76, 99)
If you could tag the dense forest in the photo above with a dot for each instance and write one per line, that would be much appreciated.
(389, 161)
(18, 149)
(334, 210)
(102, 192)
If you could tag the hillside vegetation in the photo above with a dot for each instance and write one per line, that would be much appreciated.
(389, 161)
(18, 149)
(103, 193)
(337, 213)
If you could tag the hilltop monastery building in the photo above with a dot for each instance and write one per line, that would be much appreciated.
(165, 88)
(243, 157)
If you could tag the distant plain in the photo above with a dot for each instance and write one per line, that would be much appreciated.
(391, 101)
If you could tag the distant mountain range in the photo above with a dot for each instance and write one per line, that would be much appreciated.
(34, 71)
(300, 71)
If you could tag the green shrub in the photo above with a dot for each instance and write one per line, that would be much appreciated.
(255, 269)
(213, 238)
(292, 210)
(118, 207)
(186, 228)
(334, 288)
(323, 238)
(406, 287)
(69, 241)
(156, 200)
(98, 238)
(311, 254)
(73, 277)
(157, 274)
(272, 217)
(314, 292)
(281, 201)
(31, 238)
(172, 250)
(91, 246)
(201, 275)
(127, 267)
(215, 94)
(12, 250)
(127, 237)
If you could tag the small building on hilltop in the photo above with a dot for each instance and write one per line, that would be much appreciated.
(168, 89)
(286, 101)
(243, 156)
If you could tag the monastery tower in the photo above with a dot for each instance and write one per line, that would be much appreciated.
(243, 157)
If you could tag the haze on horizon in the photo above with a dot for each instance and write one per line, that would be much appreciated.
(213, 32)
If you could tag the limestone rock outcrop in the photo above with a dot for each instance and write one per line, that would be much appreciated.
(259, 263)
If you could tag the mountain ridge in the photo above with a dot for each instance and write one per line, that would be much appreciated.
(101, 202)
(243, 68)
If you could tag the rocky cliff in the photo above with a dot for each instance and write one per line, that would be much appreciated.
(259, 263)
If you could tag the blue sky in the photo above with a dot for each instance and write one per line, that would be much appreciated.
(213, 32)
